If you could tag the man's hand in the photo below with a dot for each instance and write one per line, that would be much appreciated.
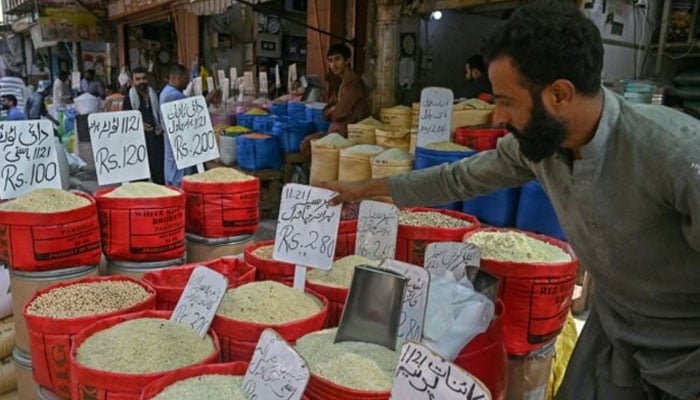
(356, 191)
(147, 127)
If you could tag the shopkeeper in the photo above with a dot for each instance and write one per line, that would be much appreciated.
(624, 180)
(349, 104)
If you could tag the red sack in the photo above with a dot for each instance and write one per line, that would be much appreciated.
(485, 356)
(239, 338)
(45, 241)
(51, 338)
(322, 389)
(479, 138)
(536, 296)
(347, 235)
(142, 229)
(269, 269)
(218, 209)
(412, 240)
(153, 389)
(336, 301)
(92, 384)
(170, 283)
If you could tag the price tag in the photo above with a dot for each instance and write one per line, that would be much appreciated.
(119, 146)
(307, 229)
(197, 86)
(29, 158)
(423, 375)
(291, 77)
(435, 116)
(198, 304)
(278, 81)
(463, 259)
(188, 128)
(276, 370)
(233, 75)
(224, 90)
(76, 81)
(210, 84)
(221, 75)
(415, 299)
(262, 79)
(377, 228)
(249, 79)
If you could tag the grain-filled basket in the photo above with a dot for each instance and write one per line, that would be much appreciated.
(347, 230)
(391, 162)
(221, 202)
(347, 370)
(363, 132)
(246, 311)
(138, 337)
(537, 275)
(56, 314)
(418, 227)
(49, 229)
(259, 255)
(169, 284)
(355, 162)
(396, 117)
(142, 221)
(392, 137)
(325, 155)
(334, 284)
(203, 382)
(471, 112)
(257, 151)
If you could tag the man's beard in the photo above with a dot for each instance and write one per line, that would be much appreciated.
(542, 136)
(142, 87)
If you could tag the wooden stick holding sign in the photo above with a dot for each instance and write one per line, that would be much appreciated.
(28, 158)
(414, 301)
(307, 229)
(377, 229)
(435, 118)
(423, 375)
(197, 306)
(276, 370)
(119, 146)
(190, 133)
(462, 259)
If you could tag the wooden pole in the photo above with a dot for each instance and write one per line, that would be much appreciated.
(386, 69)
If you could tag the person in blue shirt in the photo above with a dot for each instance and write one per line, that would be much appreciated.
(173, 91)
(9, 103)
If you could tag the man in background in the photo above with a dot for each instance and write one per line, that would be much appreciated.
(61, 89)
(36, 104)
(91, 84)
(477, 78)
(143, 98)
(13, 84)
(9, 104)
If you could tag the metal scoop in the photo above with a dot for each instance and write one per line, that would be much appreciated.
(373, 308)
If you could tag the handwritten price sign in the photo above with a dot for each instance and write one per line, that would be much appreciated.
(276, 371)
(423, 375)
(198, 304)
(307, 227)
(189, 130)
(462, 259)
(415, 299)
(435, 115)
(377, 229)
(28, 158)
(119, 146)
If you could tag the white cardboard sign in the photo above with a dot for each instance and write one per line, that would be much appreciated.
(276, 370)
(435, 115)
(377, 229)
(188, 128)
(119, 146)
(28, 158)
(451, 256)
(415, 299)
(262, 80)
(233, 76)
(201, 298)
(307, 229)
(423, 375)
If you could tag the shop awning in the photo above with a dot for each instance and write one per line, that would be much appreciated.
(212, 7)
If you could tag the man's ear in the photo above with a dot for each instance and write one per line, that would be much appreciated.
(559, 95)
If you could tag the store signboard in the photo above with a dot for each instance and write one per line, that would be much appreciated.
(435, 118)
(118, 146)
(122, 8)
(199, 301)
(462, 259)
(276, 371)
(423, 375)
(69, 21)
(415, 299)
(28, 158)
(377, 229)
(188, 129)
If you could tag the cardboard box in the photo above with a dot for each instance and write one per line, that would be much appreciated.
(528, 376)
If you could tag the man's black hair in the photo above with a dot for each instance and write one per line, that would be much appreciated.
(11, 98)
(549, 40)
(138, 70)
(477, 62)
(63, 75)
(177, 70)
(339, 48)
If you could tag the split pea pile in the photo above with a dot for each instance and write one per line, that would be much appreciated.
(144, 346)
(219, 174)
(264, 252)
(141, 190)
(45, 201)
(210, 387)
(356, 365)
(87, 299)
(341, 273)
(268, 302)
(516, 247)
(431, 218)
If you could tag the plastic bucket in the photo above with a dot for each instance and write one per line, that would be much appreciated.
(535, 212)
(426, 158)
(499, 208)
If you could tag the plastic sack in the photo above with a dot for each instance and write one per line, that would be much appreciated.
(454, 315)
